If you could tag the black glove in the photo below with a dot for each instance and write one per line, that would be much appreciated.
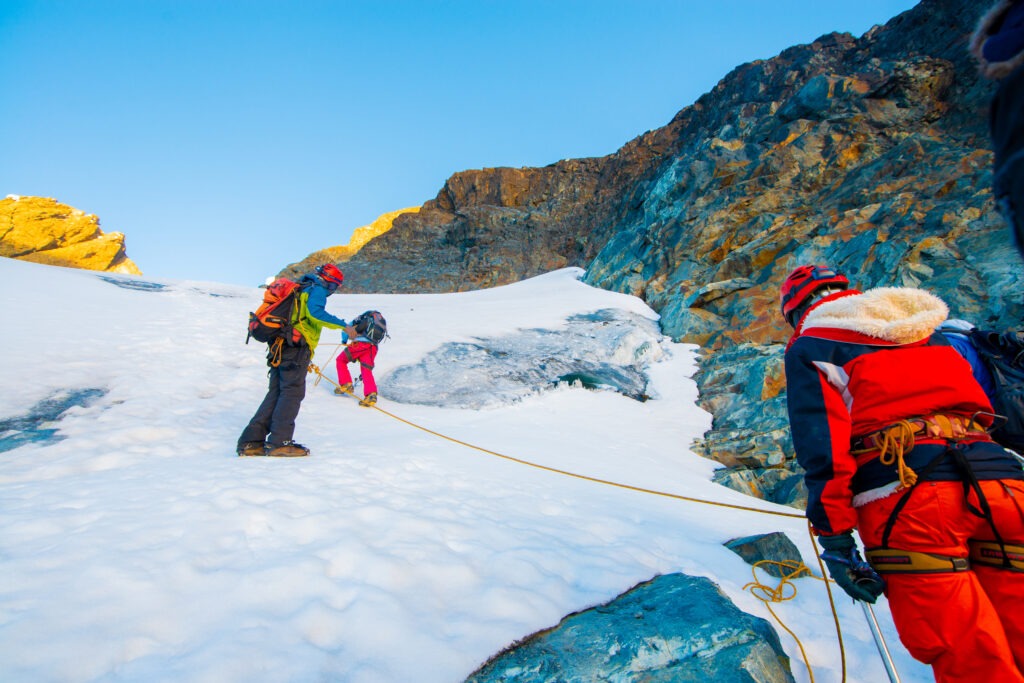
(848, 568)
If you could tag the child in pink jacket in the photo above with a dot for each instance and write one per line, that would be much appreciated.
(371, 329)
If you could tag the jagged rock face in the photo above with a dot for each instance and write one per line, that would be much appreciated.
(868, 154)
(495, 226)
(484, 228)
(850, 153)
(43, 230)
(674, 628)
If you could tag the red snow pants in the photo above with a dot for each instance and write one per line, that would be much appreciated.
(969, 625)
(365, 354)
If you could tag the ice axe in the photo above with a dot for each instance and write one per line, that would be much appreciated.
(883, 649)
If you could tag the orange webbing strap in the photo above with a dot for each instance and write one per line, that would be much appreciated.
(895, 561)
(274, 351)
(989, 553)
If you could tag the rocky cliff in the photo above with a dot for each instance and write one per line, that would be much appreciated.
(869, 154)
(43, 230)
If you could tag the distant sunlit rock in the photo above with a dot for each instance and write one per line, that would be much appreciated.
(43, 230)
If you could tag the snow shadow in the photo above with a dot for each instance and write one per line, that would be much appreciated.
(39, 424)
(129, 283)
(147, 286)
(605, 350)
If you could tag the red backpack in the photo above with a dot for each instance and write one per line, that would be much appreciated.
(274, 318)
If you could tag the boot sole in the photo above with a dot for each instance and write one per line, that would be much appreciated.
(272, 455)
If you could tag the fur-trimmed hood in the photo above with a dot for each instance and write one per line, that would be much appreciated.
(901, 315)
(985, 29)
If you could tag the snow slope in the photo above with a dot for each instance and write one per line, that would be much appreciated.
(138, 547)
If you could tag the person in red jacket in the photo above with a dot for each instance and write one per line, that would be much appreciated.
(890, 427)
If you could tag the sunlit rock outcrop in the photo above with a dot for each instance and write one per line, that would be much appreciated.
(342, 253)
(43, 230)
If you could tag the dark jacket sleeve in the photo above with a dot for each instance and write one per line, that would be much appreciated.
(820, 423)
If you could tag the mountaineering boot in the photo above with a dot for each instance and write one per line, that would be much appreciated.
(288, 449)
(251, 448)
(344, 389)
(370, 400)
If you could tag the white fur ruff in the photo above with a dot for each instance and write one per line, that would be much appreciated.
(900, 315)
(862, 499)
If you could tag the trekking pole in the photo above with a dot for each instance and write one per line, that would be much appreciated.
(883, 649)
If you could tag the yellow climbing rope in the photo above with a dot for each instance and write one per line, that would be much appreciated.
(759, 590)
(785, 590)
(794, 515)
(897, 441)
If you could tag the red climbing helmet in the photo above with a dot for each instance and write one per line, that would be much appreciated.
(331, 273)
(805, 281)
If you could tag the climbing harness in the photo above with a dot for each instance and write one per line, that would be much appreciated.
(890, 444)
(988, 553)
(894, 561)
(893, 442)
(993, 554)
(970, 483)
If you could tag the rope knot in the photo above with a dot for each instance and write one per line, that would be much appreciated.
(896, 441)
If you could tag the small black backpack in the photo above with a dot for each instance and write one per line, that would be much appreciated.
(371, 324)
(1003, 354)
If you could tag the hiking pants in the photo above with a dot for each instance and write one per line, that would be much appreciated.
(365, 354)
(967, 625)
(274, 420)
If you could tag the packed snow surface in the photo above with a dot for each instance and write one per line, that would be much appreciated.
(135, 545)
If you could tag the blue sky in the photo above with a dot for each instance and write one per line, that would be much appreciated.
(228, 139)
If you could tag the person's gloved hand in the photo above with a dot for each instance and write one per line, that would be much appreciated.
(344, 337)
(848, 568)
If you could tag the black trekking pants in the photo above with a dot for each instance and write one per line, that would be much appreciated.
(274, 421)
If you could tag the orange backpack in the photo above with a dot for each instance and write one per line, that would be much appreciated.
(274, 318)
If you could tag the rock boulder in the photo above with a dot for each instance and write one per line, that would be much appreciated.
(43, 230)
